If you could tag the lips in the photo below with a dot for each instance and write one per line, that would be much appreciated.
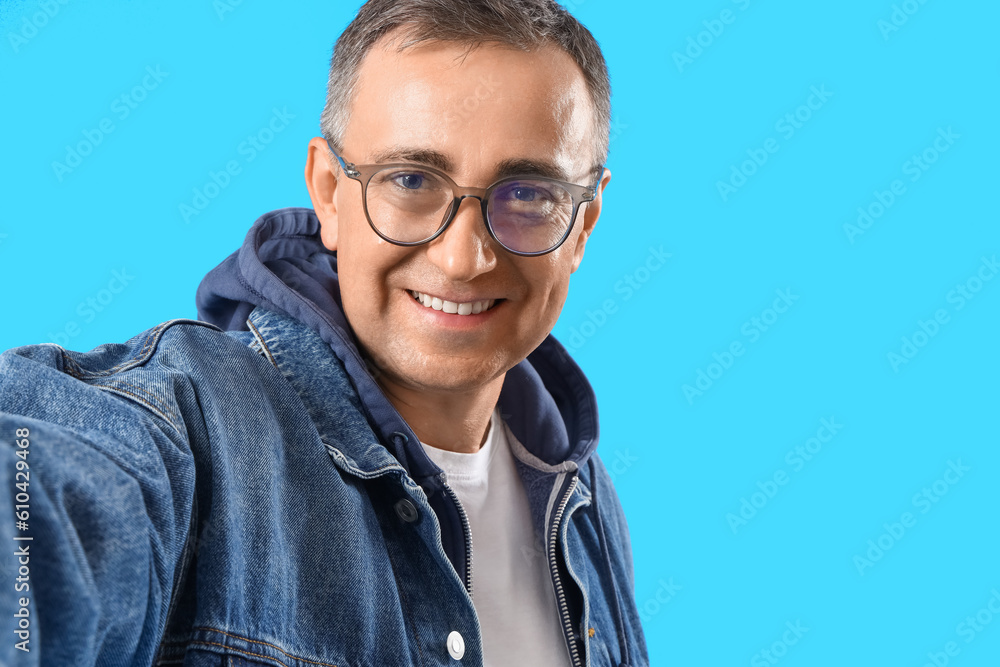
(454, 307)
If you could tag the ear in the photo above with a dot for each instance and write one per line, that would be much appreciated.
(591, 212)
(321, 180)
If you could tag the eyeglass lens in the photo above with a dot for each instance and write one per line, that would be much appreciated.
(526, 215)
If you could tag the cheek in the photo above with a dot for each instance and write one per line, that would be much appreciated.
(365, 264)
(349, 295)
(557, 297)
(549, 291)
(355, 271)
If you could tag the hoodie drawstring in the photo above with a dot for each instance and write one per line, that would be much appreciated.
(622, 643)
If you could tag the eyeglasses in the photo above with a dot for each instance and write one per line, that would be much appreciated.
(410, 204)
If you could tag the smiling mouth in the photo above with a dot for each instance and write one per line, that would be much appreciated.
(467, 308)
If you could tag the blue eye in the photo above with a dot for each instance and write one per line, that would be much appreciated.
(524, 194)
(536, 193)
(410, 181)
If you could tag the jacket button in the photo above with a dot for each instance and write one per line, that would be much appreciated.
(456, 645)
(406, 510)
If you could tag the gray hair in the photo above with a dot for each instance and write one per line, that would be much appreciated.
(523, 24)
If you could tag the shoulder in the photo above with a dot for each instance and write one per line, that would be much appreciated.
(155, 371)
(171, 336)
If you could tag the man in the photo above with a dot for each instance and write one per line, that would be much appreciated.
(385, 459)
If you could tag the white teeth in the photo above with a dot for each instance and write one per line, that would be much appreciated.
(468, 308)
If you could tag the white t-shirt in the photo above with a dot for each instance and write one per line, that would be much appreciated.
(511, 586)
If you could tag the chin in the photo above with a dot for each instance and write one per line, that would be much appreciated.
(445, 372)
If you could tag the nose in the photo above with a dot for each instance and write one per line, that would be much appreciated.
(465, 249)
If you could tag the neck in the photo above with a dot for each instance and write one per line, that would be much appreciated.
(456, 421)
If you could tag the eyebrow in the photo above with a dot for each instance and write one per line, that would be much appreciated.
(440, 161)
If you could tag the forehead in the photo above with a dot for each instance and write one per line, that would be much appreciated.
(478, 107)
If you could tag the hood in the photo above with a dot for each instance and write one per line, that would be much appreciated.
(283, 267)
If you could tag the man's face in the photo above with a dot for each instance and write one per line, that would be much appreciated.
(476, 112)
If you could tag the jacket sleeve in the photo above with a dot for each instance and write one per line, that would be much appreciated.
(95, 512)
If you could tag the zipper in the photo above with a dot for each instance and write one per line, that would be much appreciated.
(468, 537)
(567, 622)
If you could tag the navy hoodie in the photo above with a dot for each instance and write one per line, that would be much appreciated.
(283, 266)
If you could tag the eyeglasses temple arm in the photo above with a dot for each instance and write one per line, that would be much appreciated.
(592, 192)
(349, 169)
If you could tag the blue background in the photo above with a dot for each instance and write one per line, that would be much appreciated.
(712, 590)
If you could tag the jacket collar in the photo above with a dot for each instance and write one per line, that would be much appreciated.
(326, 390)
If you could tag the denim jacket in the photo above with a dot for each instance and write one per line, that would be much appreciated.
(238, 491)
